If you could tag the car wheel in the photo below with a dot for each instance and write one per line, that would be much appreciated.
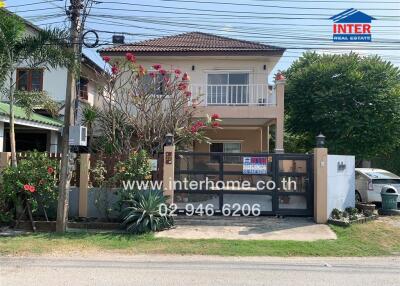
(358, 197)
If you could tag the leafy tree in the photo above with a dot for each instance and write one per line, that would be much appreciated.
(44, 49)
(353, 100)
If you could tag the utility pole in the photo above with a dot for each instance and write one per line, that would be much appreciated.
(67, 159)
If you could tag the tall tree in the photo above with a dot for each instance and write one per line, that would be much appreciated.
(42, 49)
(353, 100)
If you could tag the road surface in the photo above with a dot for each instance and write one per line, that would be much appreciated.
(110, 269)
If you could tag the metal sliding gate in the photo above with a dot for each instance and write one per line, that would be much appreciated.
(277, 184)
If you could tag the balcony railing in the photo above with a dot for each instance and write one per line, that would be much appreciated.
(237, 94)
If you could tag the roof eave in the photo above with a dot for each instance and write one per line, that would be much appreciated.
(275, 52)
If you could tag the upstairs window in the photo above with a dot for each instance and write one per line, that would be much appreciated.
(30, 79)
(83, 88)
(227, 88)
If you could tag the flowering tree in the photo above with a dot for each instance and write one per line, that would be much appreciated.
(141, 106)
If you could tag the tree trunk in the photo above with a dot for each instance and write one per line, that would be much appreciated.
(12, 128)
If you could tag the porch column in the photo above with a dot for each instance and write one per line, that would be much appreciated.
(53, 141)
(1, 136)
(280, 105)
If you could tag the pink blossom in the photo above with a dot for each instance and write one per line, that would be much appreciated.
(130, 57)
(177, 71)
(152, 74)
(182, 86)
(156, 66)
(185, 77)
(215, 124)
(114, 69)
(215, 116)
(106, 59)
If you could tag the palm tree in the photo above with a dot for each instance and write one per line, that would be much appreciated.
(46, 49)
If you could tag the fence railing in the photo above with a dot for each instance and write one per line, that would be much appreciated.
(237, 94)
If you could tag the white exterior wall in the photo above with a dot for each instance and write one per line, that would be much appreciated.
(254, 65)
(341, 183)
(55, 83)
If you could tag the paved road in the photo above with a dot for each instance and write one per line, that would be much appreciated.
(113, 269)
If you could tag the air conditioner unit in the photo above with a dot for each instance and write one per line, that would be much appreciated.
(77, 135)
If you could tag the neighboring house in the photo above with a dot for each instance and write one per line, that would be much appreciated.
(40, 131)
(232, 78)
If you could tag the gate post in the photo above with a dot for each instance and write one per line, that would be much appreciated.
(280, 106)
(169, 168)
(84, 184)
(320, 181)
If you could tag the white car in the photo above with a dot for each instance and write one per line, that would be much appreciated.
(369, 183)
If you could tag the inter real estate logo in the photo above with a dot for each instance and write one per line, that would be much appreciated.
(352, 26)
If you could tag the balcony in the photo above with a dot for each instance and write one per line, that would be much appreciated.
(233, 95)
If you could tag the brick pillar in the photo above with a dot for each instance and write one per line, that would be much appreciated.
(84, 184)
(169, 172)
(320, 185)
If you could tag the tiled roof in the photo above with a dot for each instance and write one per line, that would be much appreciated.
(195, 43)
(34, 117)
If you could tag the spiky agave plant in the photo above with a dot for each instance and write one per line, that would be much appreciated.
(144, 214)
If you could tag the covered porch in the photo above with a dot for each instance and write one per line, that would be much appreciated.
(244, 135)
(34, 132)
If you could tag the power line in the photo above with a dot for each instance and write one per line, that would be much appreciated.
(336, 1)
(220, 20)
(233, 13)
(253, 5)
(260, 35)
(35, 10)
(34, 3)
(246, 31)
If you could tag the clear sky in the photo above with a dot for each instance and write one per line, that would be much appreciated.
(295, 25)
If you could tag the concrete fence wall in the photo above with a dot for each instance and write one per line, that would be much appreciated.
(97, 202)
(341, 182)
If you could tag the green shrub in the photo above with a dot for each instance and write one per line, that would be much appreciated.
(98, 173)
(336, 214)
(34, 179)
(135, 168)
(147, 212)
(351, 211)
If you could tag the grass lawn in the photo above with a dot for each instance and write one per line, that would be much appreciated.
(376, 238)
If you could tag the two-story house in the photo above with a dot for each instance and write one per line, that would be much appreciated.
(40, 131)
(231, 77)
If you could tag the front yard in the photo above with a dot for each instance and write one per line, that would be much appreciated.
(376, 238)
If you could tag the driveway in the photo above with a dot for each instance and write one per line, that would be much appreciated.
(248, 228)
(113, 270)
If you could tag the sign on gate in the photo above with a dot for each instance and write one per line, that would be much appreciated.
(255, 165)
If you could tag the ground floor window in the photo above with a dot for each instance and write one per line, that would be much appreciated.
(226, 147)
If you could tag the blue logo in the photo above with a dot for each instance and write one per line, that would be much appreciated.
(352, 26)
